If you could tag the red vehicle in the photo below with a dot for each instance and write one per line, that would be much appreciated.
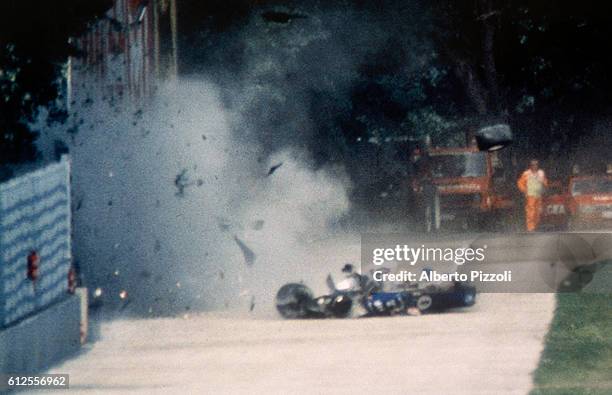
(586, 204)
(590, 202)
(461, 184)
(554, 207)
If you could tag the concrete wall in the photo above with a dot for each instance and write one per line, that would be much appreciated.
(39, 341)
(34, 216)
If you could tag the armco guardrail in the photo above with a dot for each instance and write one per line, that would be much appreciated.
(35, 234)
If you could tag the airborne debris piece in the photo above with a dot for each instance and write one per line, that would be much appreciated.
(252, 305)
(249, 255)
(257, 225)
(273, 169)
(181, 181)
(123, 294)
(224, 224)
(97, 293)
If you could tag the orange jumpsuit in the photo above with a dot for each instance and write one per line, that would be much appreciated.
(532, 184)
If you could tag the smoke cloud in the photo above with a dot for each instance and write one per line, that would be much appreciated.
(178, 206)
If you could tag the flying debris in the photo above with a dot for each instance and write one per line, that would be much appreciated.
(252, 306)
(273, 169)
(97, 293)
(249, 255)
(123, 294)
(224, 224)
(181, 181)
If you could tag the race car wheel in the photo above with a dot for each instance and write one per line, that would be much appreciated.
(424, 302)
(291, 300)
(341, 306)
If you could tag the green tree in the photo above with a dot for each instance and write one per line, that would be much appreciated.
(34, 48)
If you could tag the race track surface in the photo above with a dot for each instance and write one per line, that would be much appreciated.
(491, 348)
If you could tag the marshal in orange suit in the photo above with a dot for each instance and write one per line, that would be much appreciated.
(532, 183)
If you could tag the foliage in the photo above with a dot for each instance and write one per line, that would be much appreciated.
(34, 48)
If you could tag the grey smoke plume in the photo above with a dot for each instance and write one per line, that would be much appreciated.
(161, 208)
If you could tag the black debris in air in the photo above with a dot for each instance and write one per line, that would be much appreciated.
(273, 169)
(249, 255)
(181, 182)
(257, 225)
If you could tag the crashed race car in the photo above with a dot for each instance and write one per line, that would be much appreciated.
(360, 292)
(432, 298)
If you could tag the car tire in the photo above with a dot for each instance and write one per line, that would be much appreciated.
(291, 300)
(424, 303)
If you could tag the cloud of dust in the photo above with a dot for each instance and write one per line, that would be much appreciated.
(175, 206)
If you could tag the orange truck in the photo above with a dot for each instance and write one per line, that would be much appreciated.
(463, 186)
